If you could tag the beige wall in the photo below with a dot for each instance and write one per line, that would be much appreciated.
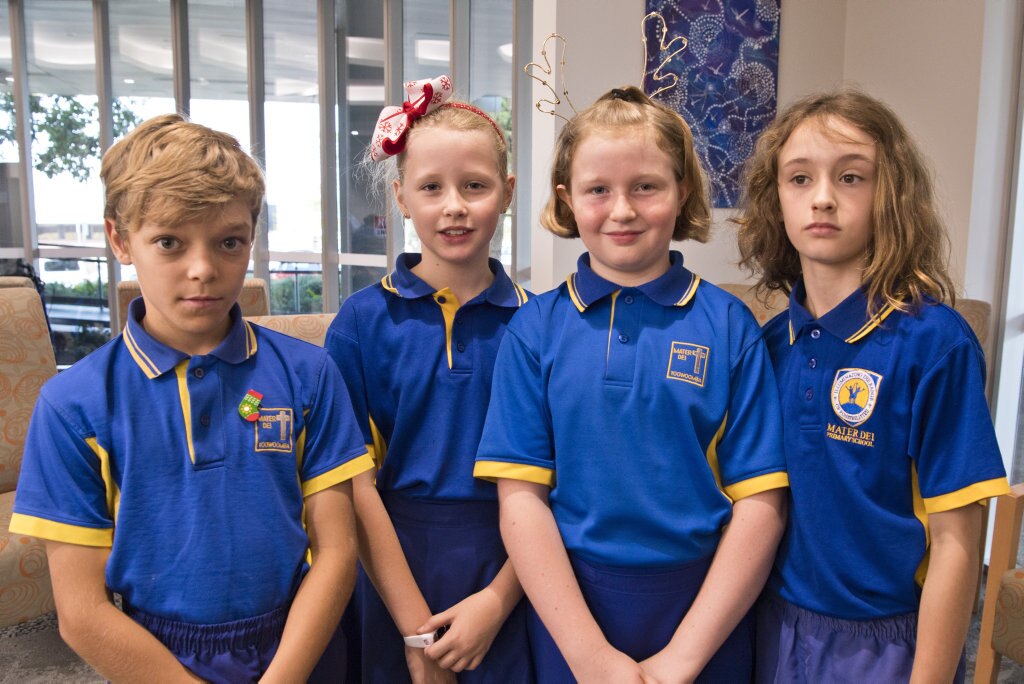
(929, 59)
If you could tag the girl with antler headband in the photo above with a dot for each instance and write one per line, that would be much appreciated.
(634, 423)
(417, 351)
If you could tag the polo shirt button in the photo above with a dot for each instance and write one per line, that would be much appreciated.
(815, 334)
(628, 299)
(441, 300)
(461, 347)
(199, 372)
(623, 339)
(813, 363)
(809, 394)
(458, 321)
(204, 420)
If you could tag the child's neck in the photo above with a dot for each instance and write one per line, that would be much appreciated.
(465, 281)
(826, 287)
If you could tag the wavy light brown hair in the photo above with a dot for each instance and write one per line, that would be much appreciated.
(170, 171)
(617, 110)
(907, 258)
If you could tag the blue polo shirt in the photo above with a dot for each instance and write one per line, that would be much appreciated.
(648, 410)
(418, 365)
(885, 423)
(142, 449)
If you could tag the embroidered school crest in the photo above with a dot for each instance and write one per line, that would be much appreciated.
(688, 362)
(854, 393)
(275, 430)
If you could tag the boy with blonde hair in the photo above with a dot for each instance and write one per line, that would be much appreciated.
(196, 465)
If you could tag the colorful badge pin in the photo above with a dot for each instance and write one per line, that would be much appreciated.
(250, 406)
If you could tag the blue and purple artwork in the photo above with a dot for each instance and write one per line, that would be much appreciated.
(725, 55)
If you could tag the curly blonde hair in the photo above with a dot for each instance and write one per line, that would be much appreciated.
(629, 107)
(170, 171)
(907, 258)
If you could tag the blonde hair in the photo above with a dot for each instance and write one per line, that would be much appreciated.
(170, 170)
(452, 115)
(622, 108)
(909, 250)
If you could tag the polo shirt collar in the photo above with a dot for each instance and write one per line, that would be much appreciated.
(675, 287)
(402, 282)
(156, 358)
(848, 321)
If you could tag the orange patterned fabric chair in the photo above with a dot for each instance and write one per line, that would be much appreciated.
(309, 327)
(26, 362)
(254, 299)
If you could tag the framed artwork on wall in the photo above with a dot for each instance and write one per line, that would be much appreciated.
(716, 62)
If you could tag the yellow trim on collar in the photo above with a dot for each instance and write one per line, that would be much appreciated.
(144, 362)
(792, 337)
(690, 291)
(500, 470)
(520, 294)
(979, 491)
(871, 324)
(250, 339)
(61, 532)
(386, 284)
(573, 294)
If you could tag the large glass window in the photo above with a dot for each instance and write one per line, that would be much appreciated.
(293, 155)
(10, 208)
(65, 174)
(217, 65)
(363, 232)
(490, 87)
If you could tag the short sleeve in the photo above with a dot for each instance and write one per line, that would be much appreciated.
(65, 491)
(342, 344)
(750, 454)
(517, 437)
(952, 441)
(332, 446)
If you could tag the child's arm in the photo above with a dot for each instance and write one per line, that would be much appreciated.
(474, 622)
(326, 588)
(734, 581)
(385, 564)
(112, 643)
(948, 594)
(536, 550)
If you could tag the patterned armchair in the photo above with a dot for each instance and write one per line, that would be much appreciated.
(309, 327)
(26, 362)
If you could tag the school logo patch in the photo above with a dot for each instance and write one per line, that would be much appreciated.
(275, 430)
(688, 362)
(854, 393)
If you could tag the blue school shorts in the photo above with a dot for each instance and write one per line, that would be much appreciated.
(638, 610)
(797, 646)
(454, 549)
(229, 652)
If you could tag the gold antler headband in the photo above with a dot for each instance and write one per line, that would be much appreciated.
(666, 49)
(547, 71)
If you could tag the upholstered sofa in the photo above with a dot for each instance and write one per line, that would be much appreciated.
(26, 362)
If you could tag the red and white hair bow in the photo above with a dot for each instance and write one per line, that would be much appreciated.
(389, 135)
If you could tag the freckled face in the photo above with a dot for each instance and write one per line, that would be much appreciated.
(625, 199)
